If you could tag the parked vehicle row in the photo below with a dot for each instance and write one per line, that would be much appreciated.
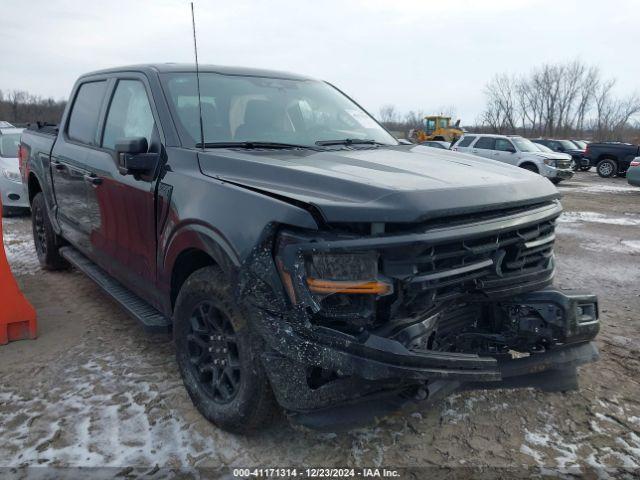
(570, 147)
(517, 151)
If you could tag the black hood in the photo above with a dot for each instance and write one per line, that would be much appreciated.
(395, 184)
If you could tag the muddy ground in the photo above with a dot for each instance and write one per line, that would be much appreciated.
(94, 390)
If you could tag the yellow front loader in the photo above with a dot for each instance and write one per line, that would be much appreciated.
(438, 127)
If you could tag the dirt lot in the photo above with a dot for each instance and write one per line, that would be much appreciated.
(94, 390)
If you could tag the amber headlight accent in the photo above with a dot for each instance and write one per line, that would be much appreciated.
(357, 273)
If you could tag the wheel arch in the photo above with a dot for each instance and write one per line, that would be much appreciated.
(191, 248)
(34, 186)
(526, 163)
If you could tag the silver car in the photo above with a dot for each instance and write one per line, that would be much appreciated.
(519, 152)
(12, 191)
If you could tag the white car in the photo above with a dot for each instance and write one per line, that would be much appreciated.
(12, 191)
(517, 151)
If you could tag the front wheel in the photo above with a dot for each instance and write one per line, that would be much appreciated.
(44, 237)
(585, 168)
(607, 168)
(218, 356)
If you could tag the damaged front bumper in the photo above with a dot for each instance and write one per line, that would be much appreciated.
(438, 307)
(324, 378)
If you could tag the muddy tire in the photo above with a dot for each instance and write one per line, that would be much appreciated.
(607, 168)
(45, 239)
(218, 356)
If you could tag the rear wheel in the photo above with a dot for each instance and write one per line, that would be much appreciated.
(218, 356)
(607, 168)
(44, 237)
(585, 168)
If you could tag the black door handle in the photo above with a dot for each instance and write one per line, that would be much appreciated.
(57, 165)
(93, 180)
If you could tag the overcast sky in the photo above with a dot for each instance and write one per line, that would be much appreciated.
(415, 54)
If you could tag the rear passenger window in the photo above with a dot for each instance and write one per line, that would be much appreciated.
(466, 141)
(83, 122)
(129, 114)
(486, 143)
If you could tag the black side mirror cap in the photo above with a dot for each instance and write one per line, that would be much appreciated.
(133, 158)
(132, 146)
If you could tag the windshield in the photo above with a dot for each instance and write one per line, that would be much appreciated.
(9, 144)
(581, 145)
(524, 145)
(239, 108)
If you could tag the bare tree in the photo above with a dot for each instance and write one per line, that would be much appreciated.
(560, 100)
(388, 114)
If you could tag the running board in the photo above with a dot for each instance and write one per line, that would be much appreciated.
(151, 319)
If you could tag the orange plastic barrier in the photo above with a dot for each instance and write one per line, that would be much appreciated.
(17, 316)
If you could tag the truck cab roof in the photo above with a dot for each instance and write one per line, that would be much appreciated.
(207, 68)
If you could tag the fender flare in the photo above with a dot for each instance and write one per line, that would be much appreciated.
(199, 236)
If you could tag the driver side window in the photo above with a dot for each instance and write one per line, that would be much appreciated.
(129, 114)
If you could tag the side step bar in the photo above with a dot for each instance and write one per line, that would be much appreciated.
(151, 319)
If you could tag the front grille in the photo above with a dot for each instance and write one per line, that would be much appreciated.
(439, 272)
(563, 163)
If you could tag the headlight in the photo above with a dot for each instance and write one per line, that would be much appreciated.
(309, 275)
(329, 273)
(11, 175)
(551, 162)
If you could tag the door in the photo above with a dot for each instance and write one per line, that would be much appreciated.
(68, 162)
(121, 207)
(505, 151)
(484, 147)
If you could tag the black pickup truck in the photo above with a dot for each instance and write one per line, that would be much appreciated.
(611, 158)
(300, 255)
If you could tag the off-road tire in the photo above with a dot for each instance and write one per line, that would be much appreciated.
(46, 241)
(206, 296)
(607, 167)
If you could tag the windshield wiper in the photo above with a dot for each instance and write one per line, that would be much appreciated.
(348, 141)
(251, 145)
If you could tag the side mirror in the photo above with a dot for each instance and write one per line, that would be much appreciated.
(133, 158)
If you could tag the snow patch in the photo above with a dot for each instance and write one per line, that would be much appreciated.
(104, 417)
(596, 217)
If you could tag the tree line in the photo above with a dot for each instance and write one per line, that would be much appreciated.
(570, 100)
(561, 100)
(20, 107)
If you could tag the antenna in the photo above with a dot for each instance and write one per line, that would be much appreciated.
(195, 49)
